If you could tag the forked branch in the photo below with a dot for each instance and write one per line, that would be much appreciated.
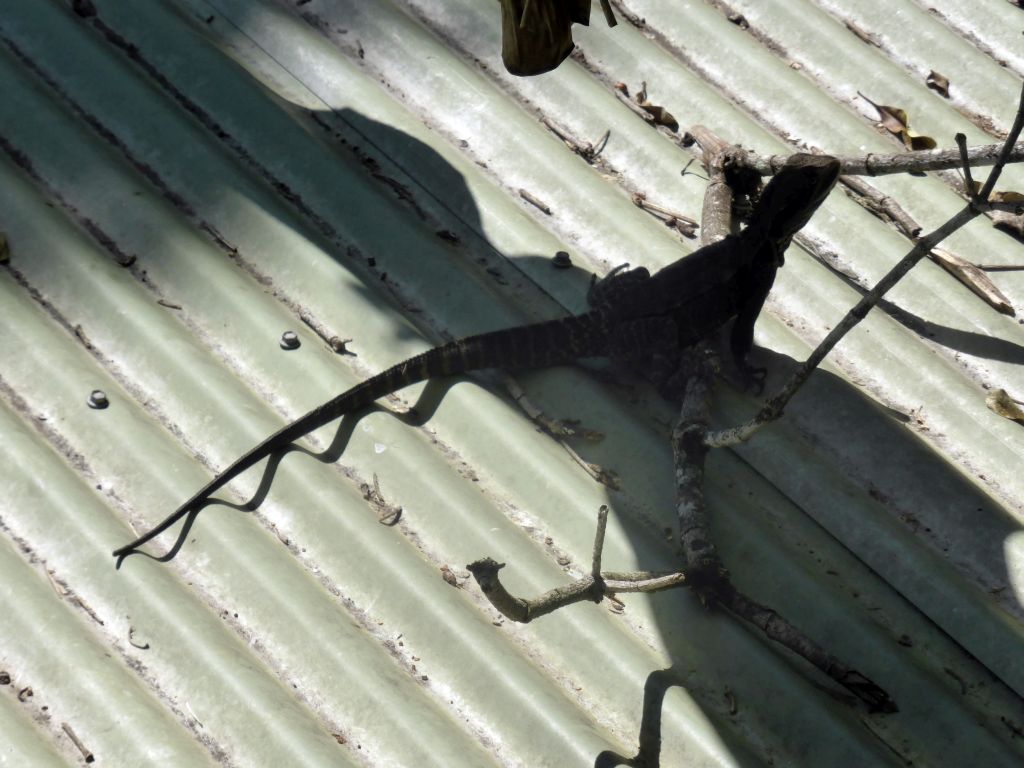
(976, 205)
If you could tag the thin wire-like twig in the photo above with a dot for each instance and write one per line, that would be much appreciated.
(602, 524)
(965, 161)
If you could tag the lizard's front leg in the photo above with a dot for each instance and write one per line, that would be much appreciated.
(741, 341)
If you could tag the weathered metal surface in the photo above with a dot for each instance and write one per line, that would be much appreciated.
(353, 170)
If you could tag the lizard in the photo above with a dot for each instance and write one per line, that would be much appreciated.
(633, 316)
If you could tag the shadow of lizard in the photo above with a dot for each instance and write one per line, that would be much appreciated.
(637, 318)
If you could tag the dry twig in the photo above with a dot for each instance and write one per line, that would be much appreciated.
(978, 204)
(905, 162)
(704, 571)
(593, 588)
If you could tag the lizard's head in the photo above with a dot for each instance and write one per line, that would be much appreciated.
(793, 195)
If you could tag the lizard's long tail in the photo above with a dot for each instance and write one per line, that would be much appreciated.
(529, 346)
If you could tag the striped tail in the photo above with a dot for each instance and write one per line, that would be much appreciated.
(528, 346)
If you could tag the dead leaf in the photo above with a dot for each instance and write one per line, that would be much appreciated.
(5, 249)
(1006, 196)
(917, 141)
(974, 278)
(661, 115)
(739, 20)
(999, 402)
(863, 34)
(895, 120)
(536, 35)
(938, 83)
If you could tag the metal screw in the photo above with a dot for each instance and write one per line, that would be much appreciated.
(98, 399)
(561, 260)
(290, 340)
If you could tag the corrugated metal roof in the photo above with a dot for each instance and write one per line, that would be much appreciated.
(181, 182)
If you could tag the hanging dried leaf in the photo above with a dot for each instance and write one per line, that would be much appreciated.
(999, 402)
(5, 249)
(895, 120)
(536, 35)
(974, 278)
(938, 83)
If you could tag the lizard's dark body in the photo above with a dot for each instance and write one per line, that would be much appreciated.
(635, 315)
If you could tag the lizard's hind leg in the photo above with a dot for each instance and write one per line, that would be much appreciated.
(604, 291)
(648, 346)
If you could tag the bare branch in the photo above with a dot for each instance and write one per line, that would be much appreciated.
(781, 631)
(885, 204)
(903, 162)
(1008, 152)
(609, 15)
(689, 445)
(968, 274)
(689, 449)
(602, 524)
(979, 204)
(587, 588)
(774, 406)
(965, 162)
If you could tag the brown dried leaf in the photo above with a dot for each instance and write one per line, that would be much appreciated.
(863, 34)
(999, 402)
(915, 140)
(739, 20)
(536, 35)
(895, 120)
(1007, 196)
(661, 116)
(974, 278)
(938, 83)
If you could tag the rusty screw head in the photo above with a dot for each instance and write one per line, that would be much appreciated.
(98, 399)
(290, 340)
